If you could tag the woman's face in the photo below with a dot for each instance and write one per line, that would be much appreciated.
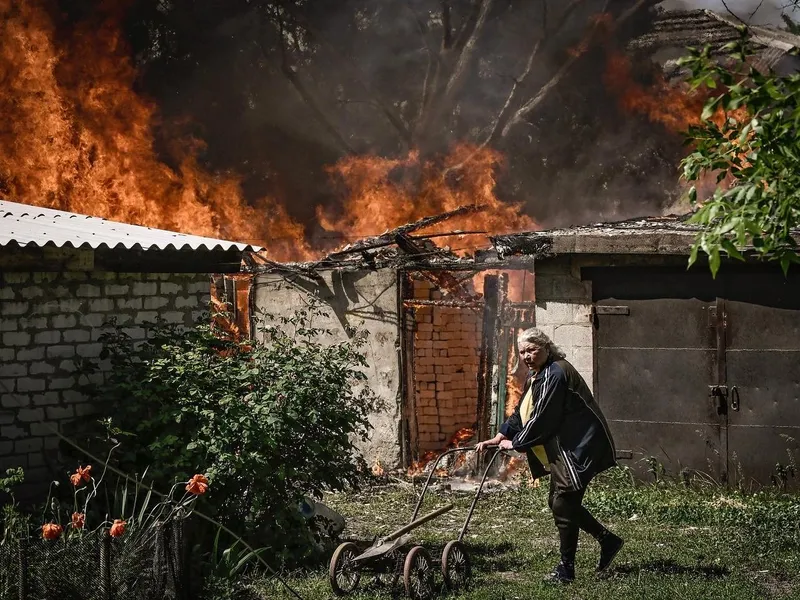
(532, 355)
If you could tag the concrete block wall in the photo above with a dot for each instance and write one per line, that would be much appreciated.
(50, 320)
(563, 311)
(446, 357)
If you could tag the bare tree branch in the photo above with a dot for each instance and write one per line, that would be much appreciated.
(468, 48)
(540, 95)
(735, 16)
(447, 32)
(755, 10)
(386, 108)
(304, 92)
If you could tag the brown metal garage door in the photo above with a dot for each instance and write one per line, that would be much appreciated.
(698, 373)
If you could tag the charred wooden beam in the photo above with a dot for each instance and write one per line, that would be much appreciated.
(388, 238)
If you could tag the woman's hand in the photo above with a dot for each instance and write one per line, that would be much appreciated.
(507, 445)
(498, 439)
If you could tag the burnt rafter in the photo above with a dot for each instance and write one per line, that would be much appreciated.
(444, 280)
(388, 238)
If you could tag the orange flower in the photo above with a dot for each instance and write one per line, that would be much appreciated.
(51, 531)
(81, 474)
(197, 485)
(78, 520)
(117, 529)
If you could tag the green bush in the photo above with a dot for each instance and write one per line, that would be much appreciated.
(268, 422)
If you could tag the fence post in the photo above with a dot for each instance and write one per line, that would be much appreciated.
(22, 565)
(105, 566)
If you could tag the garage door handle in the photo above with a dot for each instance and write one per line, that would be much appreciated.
(734, 398)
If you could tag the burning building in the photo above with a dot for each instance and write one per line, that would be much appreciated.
(291, 131)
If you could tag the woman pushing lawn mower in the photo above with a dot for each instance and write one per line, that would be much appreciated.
(560, 428)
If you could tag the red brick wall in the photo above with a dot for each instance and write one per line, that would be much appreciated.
(446, 355)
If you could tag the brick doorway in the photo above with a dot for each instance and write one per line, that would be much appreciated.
(454, 333)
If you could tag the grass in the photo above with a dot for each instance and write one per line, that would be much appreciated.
(681, 542)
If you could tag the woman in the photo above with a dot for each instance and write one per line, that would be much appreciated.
(560, 428)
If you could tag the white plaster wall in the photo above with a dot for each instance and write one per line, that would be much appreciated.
(363, 299)
(563, 311)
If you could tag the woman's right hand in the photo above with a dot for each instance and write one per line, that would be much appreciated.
(481, 446)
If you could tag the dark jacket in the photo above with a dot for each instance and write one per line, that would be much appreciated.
(568, 423)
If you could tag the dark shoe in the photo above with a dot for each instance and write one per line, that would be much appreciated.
(562, 573)
(610, 545)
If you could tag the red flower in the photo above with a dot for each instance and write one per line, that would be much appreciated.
(51, 531)
(81, 474)
(78, 520)
(117, 529)
(198, 485)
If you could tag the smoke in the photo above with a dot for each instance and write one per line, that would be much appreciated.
(754, 12)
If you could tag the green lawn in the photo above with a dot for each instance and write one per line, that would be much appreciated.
(704, 542)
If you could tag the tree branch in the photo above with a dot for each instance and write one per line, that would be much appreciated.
(305, 94)
(468, 47)
(540, 95)
(385, 106)
(447, 32)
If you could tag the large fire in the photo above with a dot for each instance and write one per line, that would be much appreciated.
(383, 193)
(77, 137)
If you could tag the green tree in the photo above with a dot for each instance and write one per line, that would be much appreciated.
(747, 139)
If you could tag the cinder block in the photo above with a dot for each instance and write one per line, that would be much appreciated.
(75, 275)
(30, 384)
(167, 287)
(144, 288)
(180, 317)
(66, 321)
(13, 278)
(61, 383)
(33, 323)
(129, 303)
(60, 351)
(199, 287)
(89, 350)
(47, 337)
(87, 290)
(9, 324)
(13, 370)
(135, 333)
(15, 308)
(156, 302)
(29, 415)
(101, 305)
(6, 293)
(573, 335)
(116, 289)
(15, 400)
(70, 305)
(77, 335)
(56, 413)
(45, 399)
(12, 432)
(26, 354)
(28, 445)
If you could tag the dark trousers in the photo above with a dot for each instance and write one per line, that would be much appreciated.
(571, 516)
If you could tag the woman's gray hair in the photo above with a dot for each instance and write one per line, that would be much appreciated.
(539, 338)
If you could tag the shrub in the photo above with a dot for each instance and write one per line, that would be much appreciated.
(268, 421)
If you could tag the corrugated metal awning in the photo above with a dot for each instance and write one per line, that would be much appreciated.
(34, 226)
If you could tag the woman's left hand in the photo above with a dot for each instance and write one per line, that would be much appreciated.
(507, 445)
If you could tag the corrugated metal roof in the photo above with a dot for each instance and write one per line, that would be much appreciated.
(705, 27)
(34, 226)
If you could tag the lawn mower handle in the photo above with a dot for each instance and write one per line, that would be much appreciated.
(433, 470)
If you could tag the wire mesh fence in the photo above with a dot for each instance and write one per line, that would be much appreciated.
(147, 565)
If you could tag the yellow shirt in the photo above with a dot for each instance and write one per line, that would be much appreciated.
(525, 412)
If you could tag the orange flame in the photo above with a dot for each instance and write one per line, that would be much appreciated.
(76, 137)
(383, 193)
